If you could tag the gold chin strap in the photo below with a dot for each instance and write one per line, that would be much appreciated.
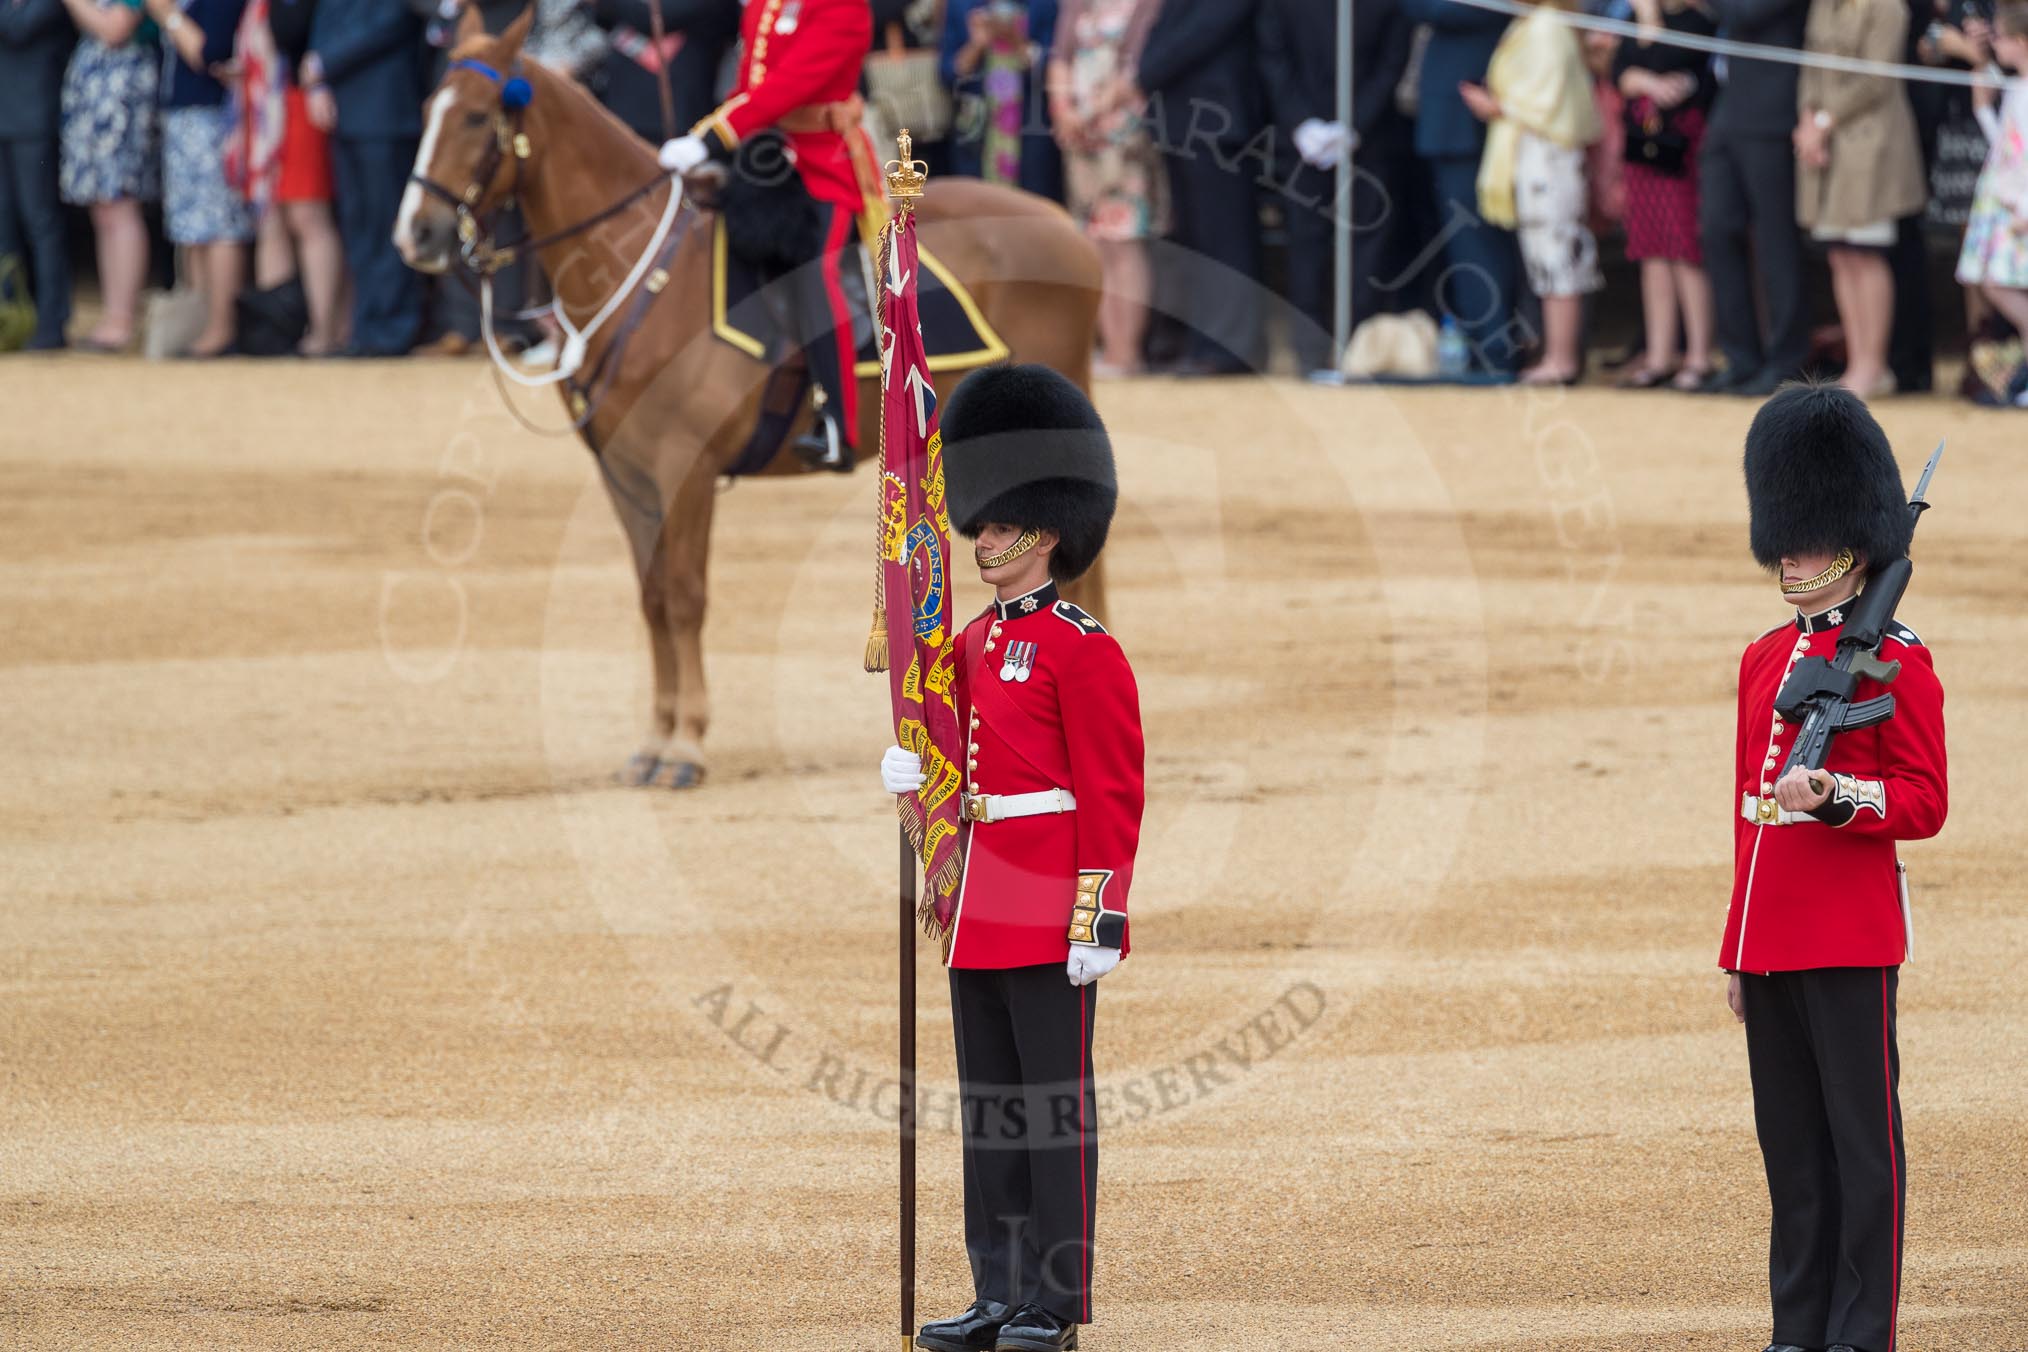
(1029, 539)
(1839, 567)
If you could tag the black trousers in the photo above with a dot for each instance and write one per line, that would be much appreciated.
(1215, 228)
(387, 298)
(29, 214)
(1911, 345)
(1477, 282)
(823, 317)
(1747, 220)
(1030, 1134)
(1390, 218)
(1825, 1103)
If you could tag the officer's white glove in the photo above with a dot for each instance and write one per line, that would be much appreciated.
(900, 770)
(1322, 144)
(1088, 963)
(683, 154)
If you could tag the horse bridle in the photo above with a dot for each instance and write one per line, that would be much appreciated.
(475, 236)
(476, 246)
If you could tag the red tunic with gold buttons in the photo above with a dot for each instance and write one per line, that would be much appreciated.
(1823, 889)
(1050, 703)
(797, 56)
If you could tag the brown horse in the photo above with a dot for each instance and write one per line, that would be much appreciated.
(680, 405)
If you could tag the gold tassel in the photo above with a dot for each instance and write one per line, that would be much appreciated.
(876, 642)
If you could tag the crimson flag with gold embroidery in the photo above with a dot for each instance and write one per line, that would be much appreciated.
(915, 603)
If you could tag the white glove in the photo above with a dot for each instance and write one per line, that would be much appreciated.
(683, 154)
(900, 770)
(1088, 963)
(1322, 144)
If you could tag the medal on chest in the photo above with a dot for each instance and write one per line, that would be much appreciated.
(790, 15)
(1019, 661)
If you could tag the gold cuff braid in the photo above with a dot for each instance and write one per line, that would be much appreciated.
(1084, 915)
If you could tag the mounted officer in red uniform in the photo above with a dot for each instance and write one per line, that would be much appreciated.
(799, 68)
(1819, 926)
(1052, 805)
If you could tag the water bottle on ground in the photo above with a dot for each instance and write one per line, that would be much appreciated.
(1454, 358)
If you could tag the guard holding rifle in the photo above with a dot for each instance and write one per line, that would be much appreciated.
(1840, 756)
(1052, 810)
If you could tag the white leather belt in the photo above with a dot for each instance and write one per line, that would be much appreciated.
(1767, 812)
(998, 807)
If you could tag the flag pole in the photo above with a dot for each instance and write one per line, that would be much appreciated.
(906, 929)
(904, 185)
(1341, 241)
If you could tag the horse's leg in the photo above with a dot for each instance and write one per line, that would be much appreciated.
(641, 768)
(633, 497)
(685, 557)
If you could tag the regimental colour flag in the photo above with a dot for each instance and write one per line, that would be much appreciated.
(915, 547)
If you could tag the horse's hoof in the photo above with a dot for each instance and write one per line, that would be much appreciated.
(678, 775)
(639, 770)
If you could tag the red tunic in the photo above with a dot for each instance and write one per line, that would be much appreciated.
(1051, 703)
(796, 55)
(1811, 894)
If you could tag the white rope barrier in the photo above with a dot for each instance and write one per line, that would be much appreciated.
(1757, 51)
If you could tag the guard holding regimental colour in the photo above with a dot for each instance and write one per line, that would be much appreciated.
(1051, 810)
(1840, 755)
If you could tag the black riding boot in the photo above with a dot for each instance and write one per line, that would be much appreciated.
(824, 445)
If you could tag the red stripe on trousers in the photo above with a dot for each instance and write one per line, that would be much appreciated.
(841, 322)
(1893, 1164)
(1083, 1191)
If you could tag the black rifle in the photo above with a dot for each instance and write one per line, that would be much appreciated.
(1818, 693)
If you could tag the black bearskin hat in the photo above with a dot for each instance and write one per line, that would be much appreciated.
(1820, 477)
(1024, 447)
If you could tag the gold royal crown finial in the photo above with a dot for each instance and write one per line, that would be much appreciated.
(906, 176)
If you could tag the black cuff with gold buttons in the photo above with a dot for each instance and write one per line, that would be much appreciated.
(1090, 922)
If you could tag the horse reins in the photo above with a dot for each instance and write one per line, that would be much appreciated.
(481, 256)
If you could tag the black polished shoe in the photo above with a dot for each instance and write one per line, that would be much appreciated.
(1841, 1347)
(1034, 1329)
(1789, 1347)
(822, 447)
(1764, 383)
(1725, 381)
(976, 1330)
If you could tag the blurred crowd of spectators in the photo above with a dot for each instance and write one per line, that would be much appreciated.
(1491, 158)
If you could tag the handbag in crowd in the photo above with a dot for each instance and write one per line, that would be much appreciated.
(273, 321)
(1653, 141)
(17, 309)
(174, 317)
(905, 89)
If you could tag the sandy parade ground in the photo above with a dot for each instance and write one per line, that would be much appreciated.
(346, 1000)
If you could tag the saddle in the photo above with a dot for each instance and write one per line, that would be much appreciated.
(766, 228)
